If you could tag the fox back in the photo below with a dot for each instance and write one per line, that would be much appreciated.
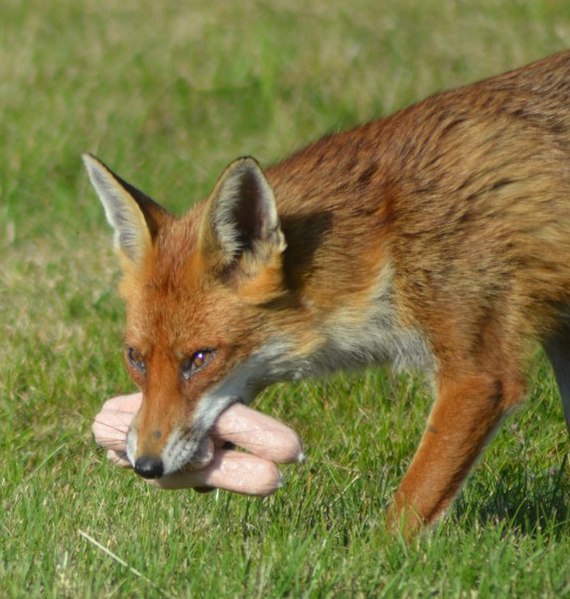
(437, 238)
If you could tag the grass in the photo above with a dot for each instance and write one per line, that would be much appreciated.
(168, 93)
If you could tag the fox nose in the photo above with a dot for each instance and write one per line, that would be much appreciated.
(149, 467)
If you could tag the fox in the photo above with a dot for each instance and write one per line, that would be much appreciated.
(435, 239)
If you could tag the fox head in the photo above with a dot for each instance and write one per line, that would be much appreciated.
(198, 290)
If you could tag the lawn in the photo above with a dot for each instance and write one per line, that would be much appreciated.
(168, 93)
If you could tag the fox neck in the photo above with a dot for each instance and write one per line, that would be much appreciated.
(368, 329)
(370, 332)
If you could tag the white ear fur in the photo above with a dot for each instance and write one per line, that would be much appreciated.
(132, 235)
(242, 211)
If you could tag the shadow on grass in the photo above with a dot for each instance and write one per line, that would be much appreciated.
(533, 504)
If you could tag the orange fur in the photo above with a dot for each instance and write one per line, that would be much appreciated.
(438, 237)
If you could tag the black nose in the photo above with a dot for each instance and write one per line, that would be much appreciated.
(149, 467)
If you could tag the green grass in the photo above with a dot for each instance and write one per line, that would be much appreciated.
(168, 93)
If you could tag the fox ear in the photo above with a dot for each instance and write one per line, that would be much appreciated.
(241, 217)
(134, 216)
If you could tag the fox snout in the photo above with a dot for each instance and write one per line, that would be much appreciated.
(149, 466)
(146, 458)
(157, 453)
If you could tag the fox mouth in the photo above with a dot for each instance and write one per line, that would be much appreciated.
(202, 457)
(187, 452)
(187, 449)
(184, 452)
(193, 449)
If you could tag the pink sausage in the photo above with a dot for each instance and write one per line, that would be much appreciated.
(230, 470)
(256, 432)
(271, 441)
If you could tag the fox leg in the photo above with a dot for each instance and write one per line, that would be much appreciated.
(558, 352)
(466, 412)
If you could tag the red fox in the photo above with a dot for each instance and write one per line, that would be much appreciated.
(437, 238)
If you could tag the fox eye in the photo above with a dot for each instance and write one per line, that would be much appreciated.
(136, 359)
(196, 362)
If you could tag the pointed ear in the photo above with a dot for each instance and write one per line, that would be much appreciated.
(134, 216)
(240, 222)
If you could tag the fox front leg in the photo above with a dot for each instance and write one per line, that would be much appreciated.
(465, 414)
